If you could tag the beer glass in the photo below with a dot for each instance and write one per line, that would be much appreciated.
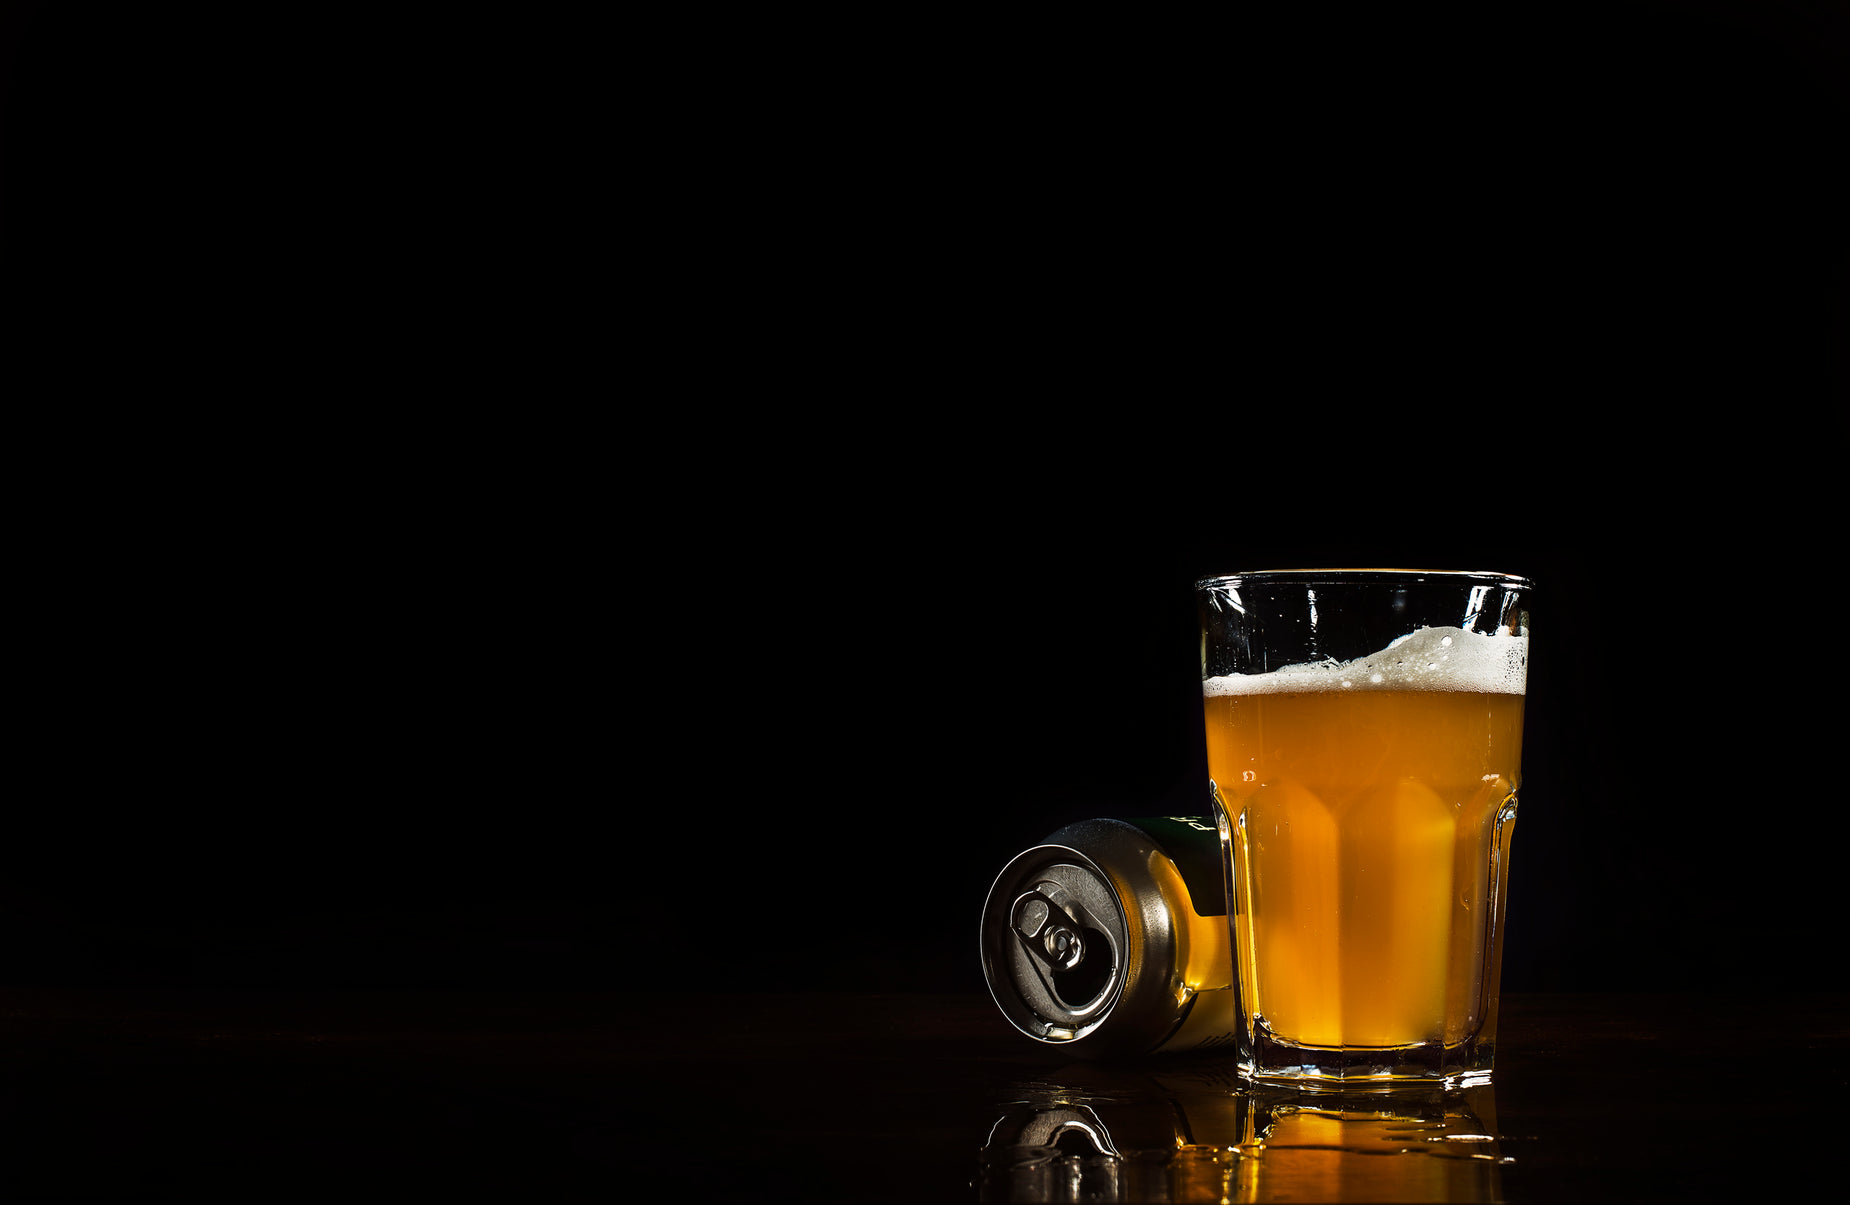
(1364, 735)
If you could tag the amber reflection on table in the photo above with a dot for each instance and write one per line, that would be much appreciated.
(1190, 1133)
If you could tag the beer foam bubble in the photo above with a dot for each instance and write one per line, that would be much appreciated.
(1441, 659)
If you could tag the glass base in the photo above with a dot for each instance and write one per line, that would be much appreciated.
(1273, 1061)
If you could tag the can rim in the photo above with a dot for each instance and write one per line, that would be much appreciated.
(992, 971)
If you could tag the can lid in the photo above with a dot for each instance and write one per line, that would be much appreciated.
(1079, 947)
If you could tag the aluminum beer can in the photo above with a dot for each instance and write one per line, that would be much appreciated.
(1110, 938)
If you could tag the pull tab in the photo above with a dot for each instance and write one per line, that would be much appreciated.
(1048, 931)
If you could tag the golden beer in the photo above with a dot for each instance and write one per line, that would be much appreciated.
(1371, 806)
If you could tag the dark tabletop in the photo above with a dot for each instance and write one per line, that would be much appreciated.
(547, 1097)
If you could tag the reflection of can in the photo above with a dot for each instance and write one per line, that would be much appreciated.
(1111, 937)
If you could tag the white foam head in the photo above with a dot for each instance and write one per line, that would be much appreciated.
(1444, 659)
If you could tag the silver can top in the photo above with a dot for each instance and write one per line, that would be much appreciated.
(1078, 945)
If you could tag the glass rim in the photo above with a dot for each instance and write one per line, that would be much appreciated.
(1362, 576)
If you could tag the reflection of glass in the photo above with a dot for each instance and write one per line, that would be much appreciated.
(1364, 737)
(1191, 1133)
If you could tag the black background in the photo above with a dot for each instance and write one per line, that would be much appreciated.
(532, 504)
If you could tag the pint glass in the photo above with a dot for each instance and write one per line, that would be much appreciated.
(1364, 736)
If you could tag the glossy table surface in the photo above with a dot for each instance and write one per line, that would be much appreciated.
(557, 1097)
